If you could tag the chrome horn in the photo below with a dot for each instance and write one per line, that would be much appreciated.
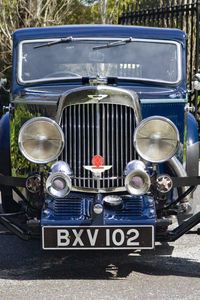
(58, 183)
(137, 181)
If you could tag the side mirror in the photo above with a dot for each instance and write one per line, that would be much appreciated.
(196, 82)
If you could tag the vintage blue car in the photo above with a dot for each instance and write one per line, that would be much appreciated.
(98, 148)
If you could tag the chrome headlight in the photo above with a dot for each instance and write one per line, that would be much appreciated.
(156, 139)
(41, 140)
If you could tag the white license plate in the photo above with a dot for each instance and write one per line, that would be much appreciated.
(98, 237)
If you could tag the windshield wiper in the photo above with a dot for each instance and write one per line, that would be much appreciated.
(71, 39)
(114, 44)
(59, 41)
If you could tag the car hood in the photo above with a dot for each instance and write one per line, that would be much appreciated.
(50, 94)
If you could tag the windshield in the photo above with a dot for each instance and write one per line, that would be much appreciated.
(148, 60)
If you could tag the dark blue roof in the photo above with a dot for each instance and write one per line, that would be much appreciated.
(99, 31)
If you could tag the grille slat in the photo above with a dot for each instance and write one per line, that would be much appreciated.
(117, 140)
(104, 129)
(79, 208)
(79, 154)
(74, 134)
(69, 117)
(121, 136)
(126, 134)
(113, 158)
(107, 140)
(132, 208)
(131, 137)
(93, 139)
(69, 208)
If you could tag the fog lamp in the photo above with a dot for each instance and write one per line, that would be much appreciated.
(137, 181)
(58, 185)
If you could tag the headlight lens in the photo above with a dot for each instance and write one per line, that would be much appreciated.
(156, 139)
(41, 140)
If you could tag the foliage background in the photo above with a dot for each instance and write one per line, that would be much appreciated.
(35, 13)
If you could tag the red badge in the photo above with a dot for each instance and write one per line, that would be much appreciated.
(97, 161)
(97, 166)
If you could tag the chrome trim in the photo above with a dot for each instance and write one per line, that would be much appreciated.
(108, 178)
(98, 190)
(80, 96)
(179, 65)
(107, 141)
(121, 140)
(117, 142)
(93, 141)
(103, 128)
(61, 167)
(113, 200)
(84, 137)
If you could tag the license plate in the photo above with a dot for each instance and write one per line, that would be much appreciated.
(98, 237)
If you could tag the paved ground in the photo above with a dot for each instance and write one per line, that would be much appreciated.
(172, 271)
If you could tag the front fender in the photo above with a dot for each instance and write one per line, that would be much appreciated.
(5, 163)
(192, 158)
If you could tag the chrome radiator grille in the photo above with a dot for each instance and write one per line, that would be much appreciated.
(104, 129)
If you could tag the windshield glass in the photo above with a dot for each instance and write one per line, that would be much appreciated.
(139, 59)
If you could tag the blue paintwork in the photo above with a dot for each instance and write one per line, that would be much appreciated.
(192, 130)
(148, 93)
(136, 210)
(99, 30)
(5, 144)
(172, 111)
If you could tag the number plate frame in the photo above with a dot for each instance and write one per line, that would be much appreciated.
(146, 238)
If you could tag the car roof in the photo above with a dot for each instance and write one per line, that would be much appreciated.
(98, 31)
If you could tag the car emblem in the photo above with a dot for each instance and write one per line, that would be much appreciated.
(97, 98)
(97, 166)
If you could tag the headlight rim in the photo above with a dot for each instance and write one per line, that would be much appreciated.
(144, 121)
(20, 143)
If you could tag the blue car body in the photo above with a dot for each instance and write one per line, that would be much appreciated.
(94, 203)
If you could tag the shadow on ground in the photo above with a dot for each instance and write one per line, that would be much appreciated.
(26, 261)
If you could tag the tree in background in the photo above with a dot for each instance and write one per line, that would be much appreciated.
(106, 12)
(34, 13)
(27, 13)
